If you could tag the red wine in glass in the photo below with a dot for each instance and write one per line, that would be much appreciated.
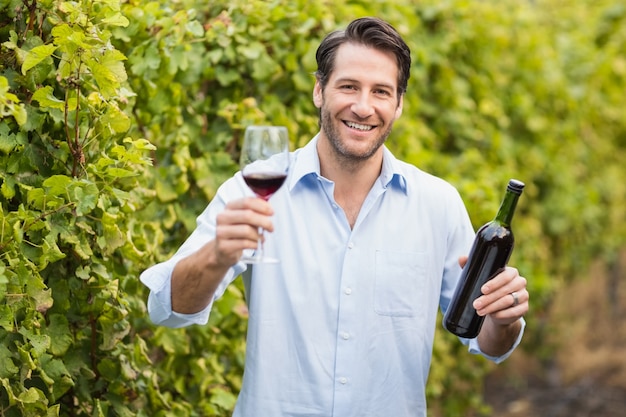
(264, 184)
(264, 165)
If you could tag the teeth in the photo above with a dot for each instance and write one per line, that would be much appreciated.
(359, 126)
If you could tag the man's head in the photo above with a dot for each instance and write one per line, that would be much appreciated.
(371, 32)
(360, 83)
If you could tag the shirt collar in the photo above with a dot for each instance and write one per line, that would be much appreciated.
(306, 162)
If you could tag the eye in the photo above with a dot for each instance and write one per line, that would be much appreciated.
(347, 87)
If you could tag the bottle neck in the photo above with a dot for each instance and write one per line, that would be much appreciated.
(507, 209)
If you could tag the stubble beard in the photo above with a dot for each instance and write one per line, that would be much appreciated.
(343, 153)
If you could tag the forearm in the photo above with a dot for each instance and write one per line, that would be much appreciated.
(495, 339)
(195, 279)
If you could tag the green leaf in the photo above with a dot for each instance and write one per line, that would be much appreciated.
(51, 251)
(127, 370)
(83, 272)
(7, 142)
(38, 291)
(31, 396)
(116, 20)
(70, 38)
(46, 98)
(224, 399)
(18, 232)
(10, 105)
(36, 55)
(109, 369)
(9, 390)
(4, 280)
(173, 341)
(40, 343)
(113, 331)
(36, 198)
(195, 28)
(105, 78)
(116, 172)
(141, 144)
(101, 408)
(149, 60)
(86, 197)
(226, 76)
(116, 120)
(7, 366)
(252, 50)
(8, 188)
(57, 185)
(57, 371)
(113, 236)
(60, 334)
(56, 408)
(108, 71)
(26, 358)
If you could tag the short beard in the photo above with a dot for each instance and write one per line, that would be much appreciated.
(342, 153)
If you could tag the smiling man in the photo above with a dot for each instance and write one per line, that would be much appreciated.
(370, 249)
(358, 101)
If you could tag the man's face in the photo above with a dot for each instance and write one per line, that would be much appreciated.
(360, 101)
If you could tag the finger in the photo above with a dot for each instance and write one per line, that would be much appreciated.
(238, 232)
(501, 281)
(516, 285)
(510, 314)
(251, 203)
(484, 305)
(246, 214)
(232, 240)
(462, 260)
(500, 287)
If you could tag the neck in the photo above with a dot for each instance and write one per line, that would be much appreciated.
(352, 173)
(353, 178)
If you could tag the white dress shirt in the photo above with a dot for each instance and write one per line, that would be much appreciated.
(343, 326)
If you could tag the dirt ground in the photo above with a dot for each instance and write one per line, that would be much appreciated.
(587, 375)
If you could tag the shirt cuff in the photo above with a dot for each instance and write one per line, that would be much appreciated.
(475, 348)
(157, 279)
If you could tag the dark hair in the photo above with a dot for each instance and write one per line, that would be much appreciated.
(368, 31)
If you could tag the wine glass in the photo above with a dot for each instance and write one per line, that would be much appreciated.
(264, 165)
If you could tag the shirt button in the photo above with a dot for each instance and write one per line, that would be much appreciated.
(350, 245)
(345, 335)
(343, 380)
(348, 291)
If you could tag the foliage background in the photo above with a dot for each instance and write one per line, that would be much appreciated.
(119, 119)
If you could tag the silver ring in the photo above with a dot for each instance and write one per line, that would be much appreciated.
(515, 299)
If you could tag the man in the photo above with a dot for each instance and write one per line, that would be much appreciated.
(370, 247)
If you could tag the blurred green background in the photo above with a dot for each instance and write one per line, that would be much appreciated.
(119, 119)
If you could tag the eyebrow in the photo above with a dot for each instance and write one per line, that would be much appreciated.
(352, 80)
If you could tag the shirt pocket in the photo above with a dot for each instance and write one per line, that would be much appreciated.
(399, 283)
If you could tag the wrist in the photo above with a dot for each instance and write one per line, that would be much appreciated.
(495, 339)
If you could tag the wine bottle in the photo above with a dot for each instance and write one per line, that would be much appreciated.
(490, 252)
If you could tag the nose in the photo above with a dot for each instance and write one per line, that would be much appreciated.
(362, 106)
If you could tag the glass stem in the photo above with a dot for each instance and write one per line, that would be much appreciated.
(260, 243)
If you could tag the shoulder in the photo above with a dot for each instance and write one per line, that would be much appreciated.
(422, 183)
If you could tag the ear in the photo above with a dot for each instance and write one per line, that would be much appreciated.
(399, 108)
(318, 96)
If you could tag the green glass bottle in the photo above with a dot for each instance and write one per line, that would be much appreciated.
(490, 252)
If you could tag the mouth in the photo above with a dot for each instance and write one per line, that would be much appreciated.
(359, 126)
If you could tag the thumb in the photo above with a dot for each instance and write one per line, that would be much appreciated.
(462, 260)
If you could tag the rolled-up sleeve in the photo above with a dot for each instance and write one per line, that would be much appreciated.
(158, 277)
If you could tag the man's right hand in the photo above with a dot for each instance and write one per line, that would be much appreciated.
(196, 277)
(237, 228)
